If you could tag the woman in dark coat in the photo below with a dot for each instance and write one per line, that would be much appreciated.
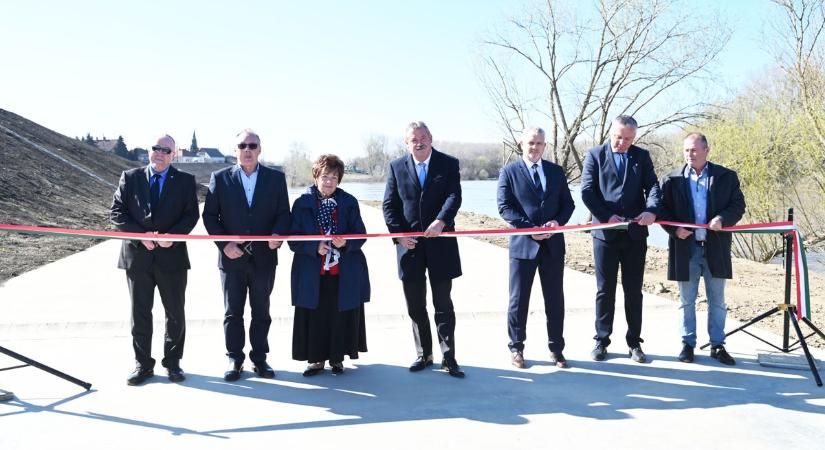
(330, 281)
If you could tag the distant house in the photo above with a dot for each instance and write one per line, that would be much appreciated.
(140, 154)
(107, 145)
(212, 153)
(201, 155)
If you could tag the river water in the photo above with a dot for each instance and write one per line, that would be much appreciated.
(479, 196)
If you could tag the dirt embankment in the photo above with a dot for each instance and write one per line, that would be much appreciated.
(48, 179)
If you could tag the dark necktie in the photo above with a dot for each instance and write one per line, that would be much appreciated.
(620, 166)
(536, 178)
(154, 192)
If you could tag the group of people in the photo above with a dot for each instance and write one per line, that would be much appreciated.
(330, 278)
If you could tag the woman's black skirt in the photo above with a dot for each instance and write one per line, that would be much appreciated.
(326, 333)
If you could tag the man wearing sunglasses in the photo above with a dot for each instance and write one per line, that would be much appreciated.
(156, 199)
(248, 199)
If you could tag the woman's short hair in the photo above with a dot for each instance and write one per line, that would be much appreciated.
(328, 163)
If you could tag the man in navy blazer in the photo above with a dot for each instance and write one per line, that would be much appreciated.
(161, 199)
(423, 194)
(247, 199)
(619, 184)
(533, 193)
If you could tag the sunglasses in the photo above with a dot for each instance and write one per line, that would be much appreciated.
(243, 146)
(164, 150)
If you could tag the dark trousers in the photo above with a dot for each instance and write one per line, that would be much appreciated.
(172, 288)
(609, 256)
(551, 276)
(257, 283)
(416, 294)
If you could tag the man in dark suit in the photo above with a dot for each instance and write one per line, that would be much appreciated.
(701, 192)
(534, 193)
(423, 194)
(619, 184)
(247, 199)
(160, 199)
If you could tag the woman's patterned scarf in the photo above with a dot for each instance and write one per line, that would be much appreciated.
(327, 225)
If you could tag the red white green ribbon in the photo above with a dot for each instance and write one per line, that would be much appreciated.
(101, 234)
(803, 296)
(802, 291)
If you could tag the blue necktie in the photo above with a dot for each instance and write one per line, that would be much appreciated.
(536, 178)
(622, 157)
(154, 192)
(422, 174)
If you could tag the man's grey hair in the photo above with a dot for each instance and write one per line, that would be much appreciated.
(626, 121)
(530, 131)
(416, 125)
(170, 137)
(249, 132)
(699, 136)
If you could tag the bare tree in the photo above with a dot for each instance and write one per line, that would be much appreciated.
(297, 165)
(578, 65)
(377, 158)
(801, 55)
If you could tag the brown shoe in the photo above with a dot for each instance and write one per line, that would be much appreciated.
(518, 360)
(559, 360)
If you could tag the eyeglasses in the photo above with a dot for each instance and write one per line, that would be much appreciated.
(329, 179)
(244, 145)
(164, 150)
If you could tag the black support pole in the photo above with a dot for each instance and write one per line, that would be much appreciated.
(45, 368)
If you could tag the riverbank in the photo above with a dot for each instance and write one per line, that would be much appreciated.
(755, 288)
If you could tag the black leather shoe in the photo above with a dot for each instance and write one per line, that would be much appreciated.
(719, 353)
(686, 356)
(559, 360)
(263, 370)
(599, 353)
(233, 372)
(421, 363)
(314, 369)
(337, 368)
(451, 366)
(175, 374)
(139, 376)
(636, 354)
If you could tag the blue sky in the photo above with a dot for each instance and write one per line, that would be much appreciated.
(325, 73)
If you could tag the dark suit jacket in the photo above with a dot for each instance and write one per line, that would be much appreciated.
(353, 275)
(605, 194)
(177, 213)
(523, 205)
(725, 199)
(226, 212)
(407, 207)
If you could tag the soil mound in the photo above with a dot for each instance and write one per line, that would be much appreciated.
(48, 179)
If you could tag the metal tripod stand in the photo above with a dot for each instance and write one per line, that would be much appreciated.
(789, 312)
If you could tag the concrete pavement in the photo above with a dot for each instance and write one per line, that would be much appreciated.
(73, 315)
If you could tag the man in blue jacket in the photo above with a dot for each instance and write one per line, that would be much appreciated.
(533, 193)
(619, 184)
